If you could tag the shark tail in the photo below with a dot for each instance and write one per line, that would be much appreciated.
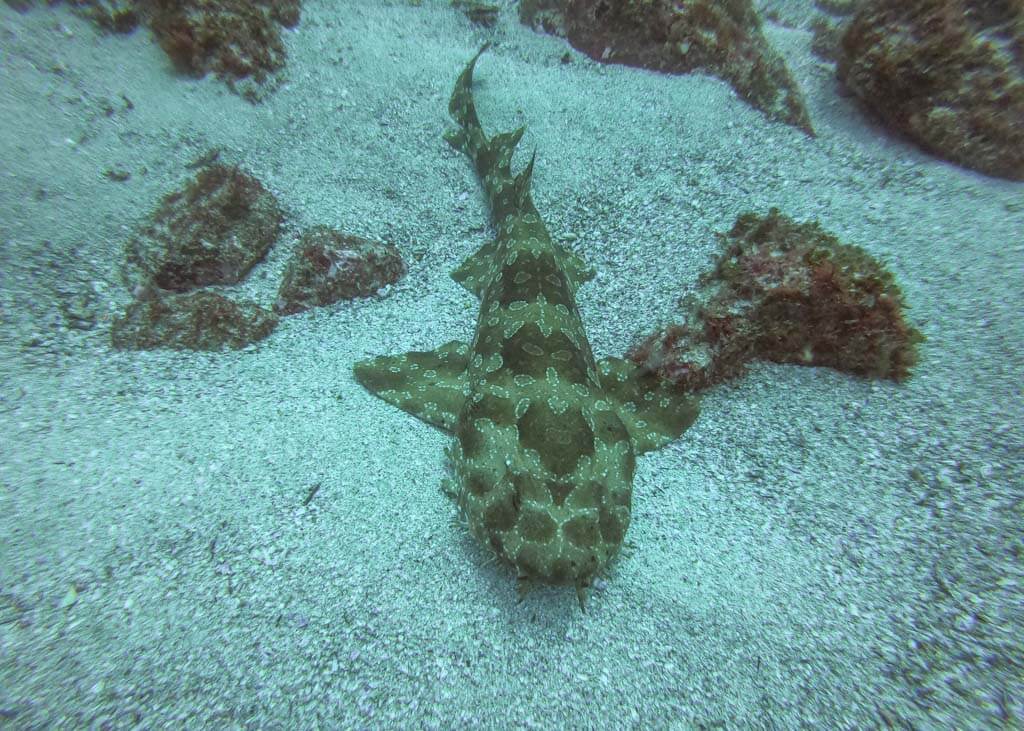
(492, 157)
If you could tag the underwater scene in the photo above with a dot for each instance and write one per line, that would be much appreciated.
(512, 364)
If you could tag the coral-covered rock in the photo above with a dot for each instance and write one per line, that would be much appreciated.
(236, 39)
(193, 321)
(211, 232)
(481, 13)
(826, 38)
(949, 74)
(790, 293)
(543, 15)
(117, 16)
(721, 37)
(328, 266)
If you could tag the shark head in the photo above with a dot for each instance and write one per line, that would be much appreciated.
(545, 481)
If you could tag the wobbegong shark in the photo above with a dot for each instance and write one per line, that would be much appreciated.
(545, 437)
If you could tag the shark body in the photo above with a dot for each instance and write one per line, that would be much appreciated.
(545, 437)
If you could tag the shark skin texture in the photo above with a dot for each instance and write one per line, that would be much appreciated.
(545, 437)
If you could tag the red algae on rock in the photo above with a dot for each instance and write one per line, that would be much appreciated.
(212, 231)
(948, 74)
(791, 293)
(720, 37)
(328, 266)
(236, 39)
(192, 321)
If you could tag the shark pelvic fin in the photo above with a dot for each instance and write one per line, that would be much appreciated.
(474, 271)
(574, 267)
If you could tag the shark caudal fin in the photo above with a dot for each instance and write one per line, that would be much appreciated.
(506, 193)
(470, 135)
(491, 157)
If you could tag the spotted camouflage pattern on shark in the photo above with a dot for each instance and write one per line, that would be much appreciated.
(546, 438)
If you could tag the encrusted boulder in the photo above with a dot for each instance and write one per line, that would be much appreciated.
(720, 37)
(543, 15)
(328, 266)
(791, 293)
(480, 13)
(211, 232)
(949, 74)
(192, 321)
(236, 39)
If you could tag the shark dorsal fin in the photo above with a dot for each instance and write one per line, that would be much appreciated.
(521, 184)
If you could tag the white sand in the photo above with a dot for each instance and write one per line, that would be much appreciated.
(158, 569)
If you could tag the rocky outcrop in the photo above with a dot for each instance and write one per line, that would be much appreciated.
(239, 40)
(328, 266)
(213, 231)
(720, 37)
(193, 321)
(948, 74)
(786, 292)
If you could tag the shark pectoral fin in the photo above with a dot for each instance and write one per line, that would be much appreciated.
(429, 385)
(653, 411)
(472, 273)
